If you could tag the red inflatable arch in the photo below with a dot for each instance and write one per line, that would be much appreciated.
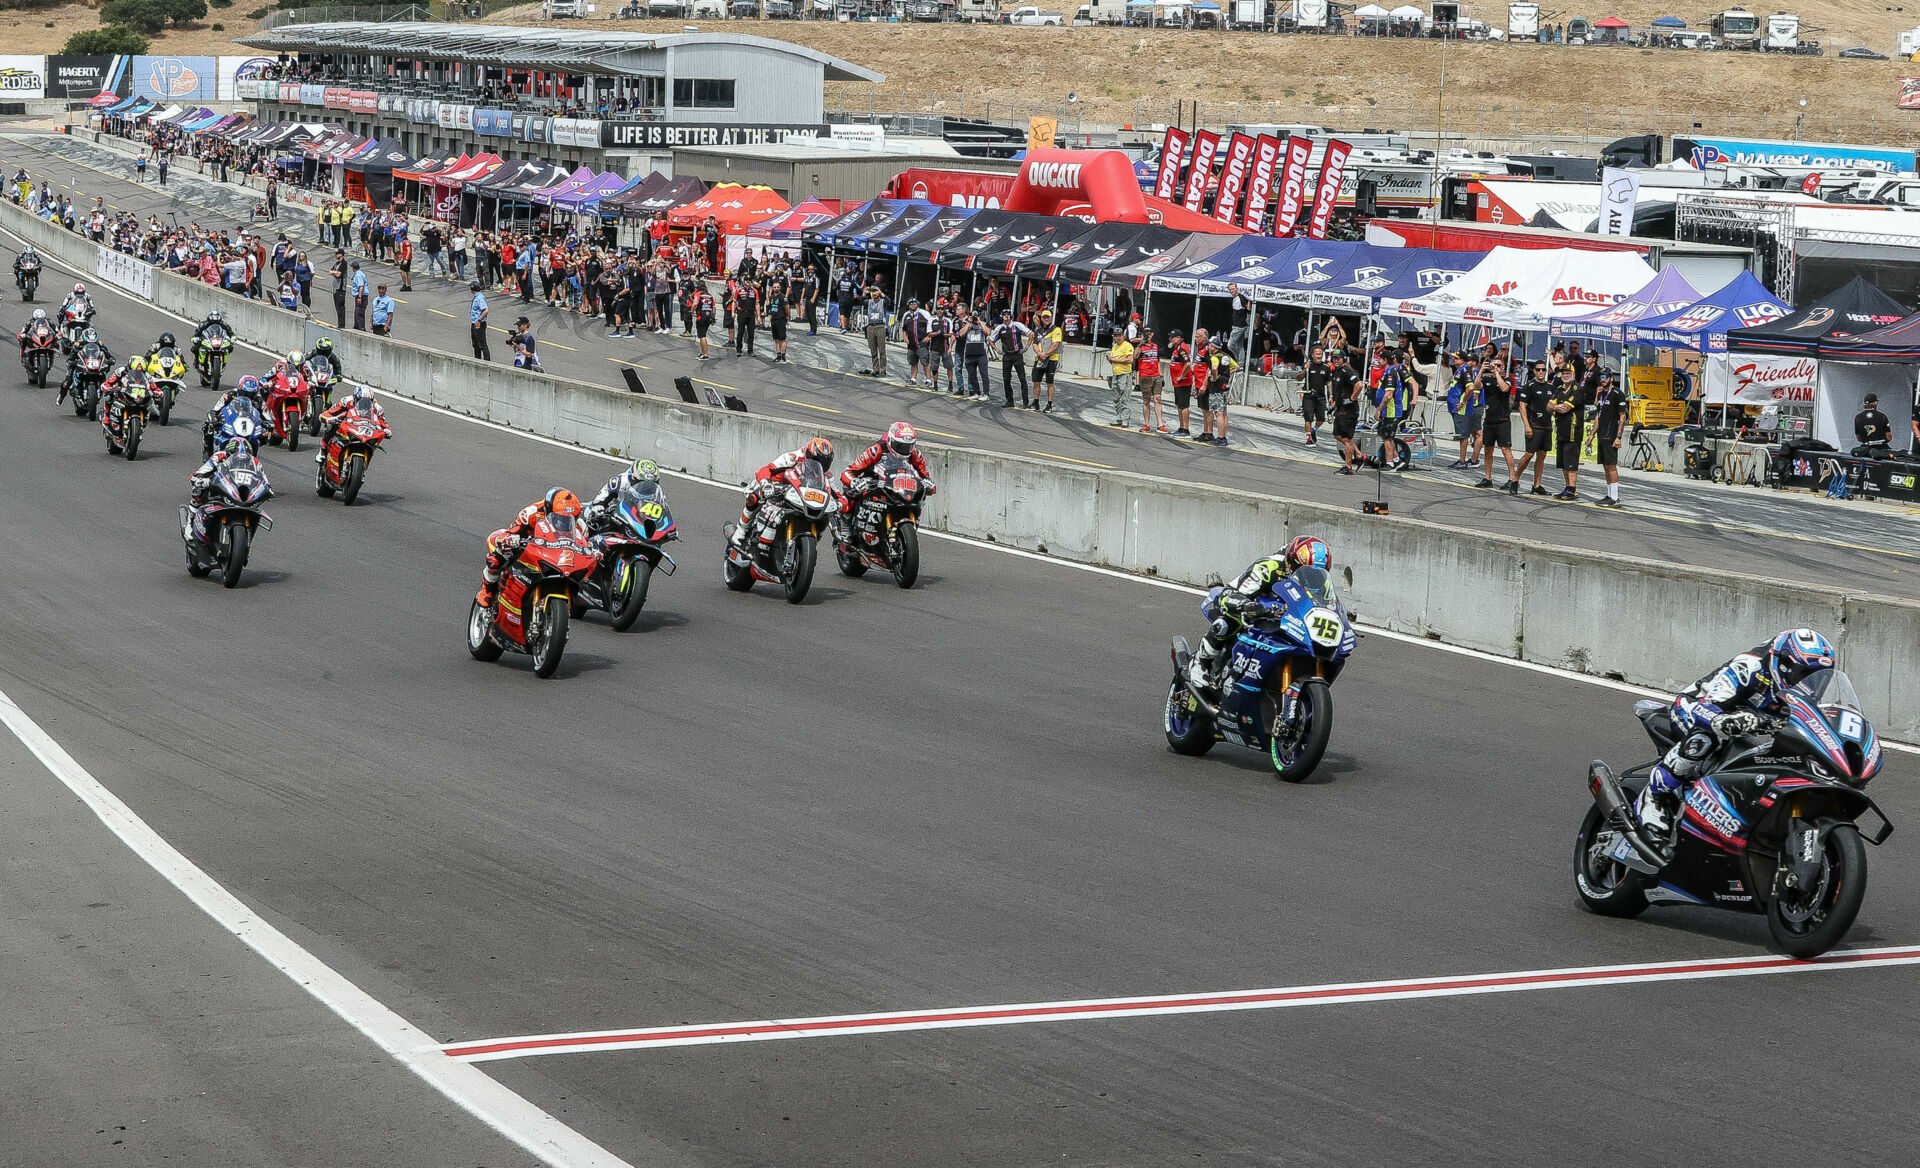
(1097, 184)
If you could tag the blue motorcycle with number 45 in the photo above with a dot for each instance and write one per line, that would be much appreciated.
(1277, 694)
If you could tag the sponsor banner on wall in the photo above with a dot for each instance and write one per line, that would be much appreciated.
(251, 90)
(583, 132)
(492, 123)
(538, 128)
(954, 188)
(1908, 95)
(1333, 166)
(170, 79)
(455, 117)
(1292, 195)
(666, 135)
(22, 78)
(516, 125)
(1173, 156)
(335, 97)
(391, 103)
(1750, 379)
(290, 92)
(1233, 178)
(1205, 145)
(232, 71)
(363, 101)
(313, 94)
(83, 77)
(124, 271)
(1266, 162)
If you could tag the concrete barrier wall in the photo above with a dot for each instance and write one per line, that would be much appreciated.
(1651, 623)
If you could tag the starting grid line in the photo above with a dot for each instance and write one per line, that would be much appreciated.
(715, 1034)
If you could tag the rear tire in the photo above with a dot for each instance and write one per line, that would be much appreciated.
(479, 643)
(739, 577)
(1605, 887)
(356, 474)
(1188, 730)
(1316, 702)
(237, 539)
(321, 486)
(195, 568)
(805, 554)
(906, 569)
(624, 604)
(1824, 924)
(553, 641)
(164, 406)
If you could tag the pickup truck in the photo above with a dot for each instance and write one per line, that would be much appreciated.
(1029, 15)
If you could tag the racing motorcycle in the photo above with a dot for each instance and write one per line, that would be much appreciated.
(793, 515)
(529, 615)
(37, 351)
(1773, 829)
(631, 536)
(166, 373)
(88, 372)
(286, 406)
(884, 529)
(239, 418)
(1277, 693)
(128, 409)
(319, 392)
(210, 357)
(344, 457)
(27, 278)
(220, 533)
(74, 320)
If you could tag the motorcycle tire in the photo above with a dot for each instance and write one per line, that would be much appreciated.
(195, 568)
(79, 404)
(479, 641)
(1188, 732)
(321, 486)
(739, 578)
(1316, 702)
(1823, 925)
(293, 437)
(1605, 887)
(553, 638)
(166, 406)
(238, 537)
(906, 563)
(800, 575)
(578, 608)
(624, 604)
(134, 426)
(356, 474)
(40, 378)
(850, 563)
(313, 423)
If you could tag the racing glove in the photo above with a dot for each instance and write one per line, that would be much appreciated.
(1737, 723)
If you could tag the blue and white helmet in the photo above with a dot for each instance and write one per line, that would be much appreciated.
(1794, 654)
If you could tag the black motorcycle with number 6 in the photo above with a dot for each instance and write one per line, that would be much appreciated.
(631, 535)
(1771, 828)
(27, 278)
(883, 530)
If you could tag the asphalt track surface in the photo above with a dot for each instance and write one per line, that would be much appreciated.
(877, 800)
(1864, 547)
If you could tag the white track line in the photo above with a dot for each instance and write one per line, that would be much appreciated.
(506, 1112)
(892, 1022)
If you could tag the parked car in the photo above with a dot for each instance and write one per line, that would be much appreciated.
(1029, 15)
(1860, 54)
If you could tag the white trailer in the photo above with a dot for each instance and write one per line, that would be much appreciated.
(1249, 13)
(1783, 33)
(1523, 22)
(1310, 13)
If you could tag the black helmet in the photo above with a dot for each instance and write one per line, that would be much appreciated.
(323, 345)
(166, 340)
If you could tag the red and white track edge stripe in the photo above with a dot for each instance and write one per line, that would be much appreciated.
(1267, 999)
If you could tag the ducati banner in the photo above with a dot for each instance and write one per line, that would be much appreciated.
(1293, 186)
(1205, 145)
(1266, 160)
(1332, 169)
(1173, 156)
(1233, 178)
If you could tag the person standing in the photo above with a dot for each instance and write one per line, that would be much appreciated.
(1496, 425)
(1569, 426)
(433, 243)
(359, 297)
(1120, 359)
(1047, 339)
(876, 309)
(1013, 339)
(1242, 318)
(403, 257)
(1146, 367)
(385, 308)
(810, 296)
(457, 253)
(1534, 397)
(477, 323)
(779, 294)
(166, 164)
(916, 327)
(1220, 370)
(1609, 427)
(273, 197)
(1464, 406)
(975, 341)
(1345, 387)
(1313, 397)
(338, 273)
(702, 315)
(746, 316)
(847, 288)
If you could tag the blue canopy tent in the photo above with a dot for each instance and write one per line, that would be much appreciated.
(887, 240)
(1668, 22)
(1246, 252)
(828, 234)
(862, 234)
(1741, 302)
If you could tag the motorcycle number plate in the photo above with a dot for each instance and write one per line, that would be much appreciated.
(1622, 851)
(243, 427)
(814, 498)
(1323, 625)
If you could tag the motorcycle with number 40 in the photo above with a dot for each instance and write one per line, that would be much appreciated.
(883, 530)
(631, 536)
(1277, 694)
(1770, 829)
(793, 516)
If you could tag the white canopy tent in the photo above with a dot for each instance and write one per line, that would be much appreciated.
(1408, 12)
(1527, 288)
(1370, 12)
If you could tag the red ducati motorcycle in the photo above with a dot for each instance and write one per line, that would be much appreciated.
(529, 614)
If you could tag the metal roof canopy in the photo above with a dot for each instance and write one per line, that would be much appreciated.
(607, 54)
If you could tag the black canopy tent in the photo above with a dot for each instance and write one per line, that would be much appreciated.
(375, 170)
(1854, 308)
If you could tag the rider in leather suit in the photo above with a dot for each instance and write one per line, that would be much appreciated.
(1227, 609)
(505, 544)
(776, 472)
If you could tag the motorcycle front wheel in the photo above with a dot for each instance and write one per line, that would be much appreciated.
(1189, 731)
(1293, 762)
(356, 474)
(800, 568)
(237, 539)
(1807, 922)
(629, 592)
(293, 435)
(550, 640)
(906, 554)
(1605, 886)
(134, 426)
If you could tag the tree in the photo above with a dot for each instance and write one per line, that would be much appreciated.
(147, 16)
(114, 38)
(184, 11)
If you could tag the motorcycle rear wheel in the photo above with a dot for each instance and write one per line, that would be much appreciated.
(1316, 706)
(321, 486)
(848, 560)
(739, 577)
(195, 568)
(1809, 928)
(479, 641)
(237, 538)
(625, 602)
(551, 641)
(800, 574)
(1605, 886)
(79, 403)
(165, 405)
(906, 564)
(1188, 730)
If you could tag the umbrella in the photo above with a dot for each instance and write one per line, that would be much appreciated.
(1205, 6)
(1668, 22)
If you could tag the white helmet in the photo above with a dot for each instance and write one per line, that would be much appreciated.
(79, 289)
(293, 357)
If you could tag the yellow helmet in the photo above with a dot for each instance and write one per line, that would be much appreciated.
(138, 364)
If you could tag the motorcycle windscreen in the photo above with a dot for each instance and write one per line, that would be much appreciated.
(1828, 714)
(644, 505)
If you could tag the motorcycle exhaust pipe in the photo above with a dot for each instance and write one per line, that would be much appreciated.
(1619, 812)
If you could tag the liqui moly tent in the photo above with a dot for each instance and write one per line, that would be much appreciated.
(1667, 293)
(1519, 288)
(1743, 302)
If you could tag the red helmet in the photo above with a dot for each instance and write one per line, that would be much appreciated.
(1308, 551)
(561, 501)
(820, 450)
(902, 439)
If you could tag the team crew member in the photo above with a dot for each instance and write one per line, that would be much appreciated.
(1496, 426)
(778, 310)
(1146, 366)
(1120, 357)
(1047, 340)
(1464, 403)
(1013, 338)
(1345, 387)
(1569, 430)
(1534, 397)
(1213, 403)
(1609, 424)
(975, 341)
(1313, 401)
(1396, 402)
(477, 323)
(1180, 373)
(1871, 427)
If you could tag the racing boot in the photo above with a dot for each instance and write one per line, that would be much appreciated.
(1201, 670)
(741, 530)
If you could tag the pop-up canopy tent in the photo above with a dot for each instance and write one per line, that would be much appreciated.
(733, 207)
(1855, 308)
(369, 176)
(1063, 250)
(580, 177)
(587, 199)
(996, 253)
(1665, 294)
(1525, 288)
(950, 229)
(1210, 275)
(1148, 243)
(1142, 267)
(1742, 302)
(886, 239)
(640, 203)
(797, 218)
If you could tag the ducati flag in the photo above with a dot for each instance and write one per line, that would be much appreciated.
(1173, 157)
(1293, 186)
(1333, 168)
(1233, 177)
(1205, 145)
(1266, 160)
